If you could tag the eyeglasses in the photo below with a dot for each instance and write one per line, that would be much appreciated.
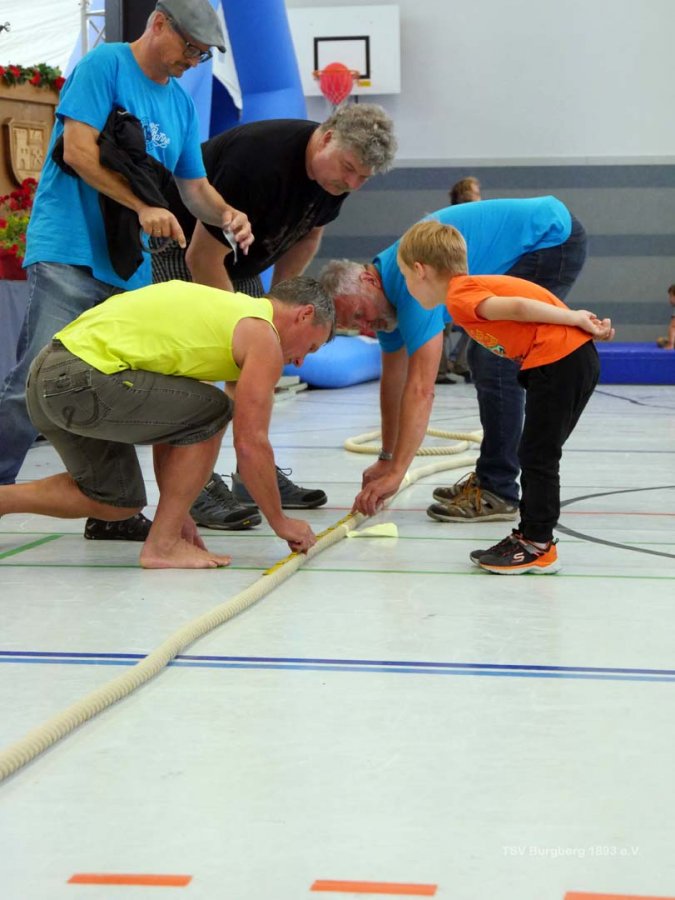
(189, 51)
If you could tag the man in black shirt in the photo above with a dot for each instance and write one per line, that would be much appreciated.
(290, 177)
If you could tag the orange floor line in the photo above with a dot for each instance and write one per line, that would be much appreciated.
(575, 895)
(376, 887)
(146, 880)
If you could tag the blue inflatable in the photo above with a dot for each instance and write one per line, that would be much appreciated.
(266, 66)
(342, 362)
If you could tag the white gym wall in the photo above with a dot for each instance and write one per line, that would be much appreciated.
(531, 80)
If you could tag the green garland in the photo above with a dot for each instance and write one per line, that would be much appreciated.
(41, 75)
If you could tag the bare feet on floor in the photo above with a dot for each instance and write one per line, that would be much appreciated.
(180, 555)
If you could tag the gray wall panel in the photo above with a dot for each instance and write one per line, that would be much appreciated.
(602, 210)
(628, 211)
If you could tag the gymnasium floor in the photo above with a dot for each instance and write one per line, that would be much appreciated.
(390, 721)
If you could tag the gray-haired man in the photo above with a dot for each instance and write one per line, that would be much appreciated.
(290, 176)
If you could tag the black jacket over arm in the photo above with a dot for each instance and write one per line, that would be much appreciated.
(122, 149)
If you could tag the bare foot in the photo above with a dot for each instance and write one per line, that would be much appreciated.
(180, 555)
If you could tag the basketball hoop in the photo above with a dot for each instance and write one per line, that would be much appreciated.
(336, 82)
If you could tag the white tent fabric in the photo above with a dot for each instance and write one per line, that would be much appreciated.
(224, 68)
(48, 31)
(42, 31)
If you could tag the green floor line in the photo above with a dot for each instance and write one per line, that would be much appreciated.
(45, 540)
(472, 572)
(243, 534)
(475, 571)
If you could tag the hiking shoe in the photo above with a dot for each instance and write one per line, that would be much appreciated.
(516, 556)
(216, 507)
(455, 368)
(473, 504)
(134, 529)
(447, 494)
(292, 495)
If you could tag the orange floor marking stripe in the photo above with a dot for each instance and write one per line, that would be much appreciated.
(575, 895)
(146, 880)
(376, 887)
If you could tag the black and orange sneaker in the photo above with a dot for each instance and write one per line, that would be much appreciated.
(476, 555)
(516, 556)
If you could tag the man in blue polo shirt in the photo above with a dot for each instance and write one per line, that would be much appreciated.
(537, 239)
(68, 264)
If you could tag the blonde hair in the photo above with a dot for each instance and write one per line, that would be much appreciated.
(440, 246)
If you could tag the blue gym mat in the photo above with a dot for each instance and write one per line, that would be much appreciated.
(635, 363)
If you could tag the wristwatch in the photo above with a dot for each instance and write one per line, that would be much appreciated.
(385, 456)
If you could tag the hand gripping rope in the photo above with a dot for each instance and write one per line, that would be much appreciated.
(58, 726)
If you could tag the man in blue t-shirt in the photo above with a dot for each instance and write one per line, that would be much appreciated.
(69, 269)
(537, 239)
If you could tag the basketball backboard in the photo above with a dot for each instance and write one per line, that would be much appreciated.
(365, 38)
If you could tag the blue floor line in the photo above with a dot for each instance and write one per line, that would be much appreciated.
(399, 668)
(406, 663)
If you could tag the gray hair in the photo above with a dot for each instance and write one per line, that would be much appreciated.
(305, 291)
(367, 130)
(341, 276)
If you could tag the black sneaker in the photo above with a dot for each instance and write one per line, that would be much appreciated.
(292, 495)
(505, 544)
(134, 529)
(516, 556)
(216, 507)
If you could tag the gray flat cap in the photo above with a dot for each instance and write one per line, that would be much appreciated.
(197, 19)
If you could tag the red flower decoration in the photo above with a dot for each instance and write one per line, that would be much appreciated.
(40, 75)
(15, 209)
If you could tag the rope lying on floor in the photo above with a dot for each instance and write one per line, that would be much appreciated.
(60, 725)
(359, 444)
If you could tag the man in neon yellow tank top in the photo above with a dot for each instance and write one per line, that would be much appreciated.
(132, 371)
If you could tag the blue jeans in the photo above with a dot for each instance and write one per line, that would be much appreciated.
(57, 294)
(501, 400)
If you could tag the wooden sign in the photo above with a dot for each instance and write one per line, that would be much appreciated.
(26, 122)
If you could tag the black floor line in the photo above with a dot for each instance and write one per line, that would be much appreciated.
(587, 537)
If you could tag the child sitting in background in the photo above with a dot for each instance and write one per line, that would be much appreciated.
(668, 343)
(552, 344)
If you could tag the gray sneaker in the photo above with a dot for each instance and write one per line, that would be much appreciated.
(477, 555)
(292, 495)
(473, 504)
(447, 494)
(216, 507)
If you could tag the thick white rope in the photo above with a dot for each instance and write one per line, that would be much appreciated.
(60, 725)
(361, 444)
(43, 736)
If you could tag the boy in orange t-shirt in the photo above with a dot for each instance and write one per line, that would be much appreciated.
(559, 368)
